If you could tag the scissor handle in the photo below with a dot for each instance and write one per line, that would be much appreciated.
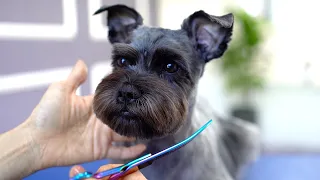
(142, 162)
(83, 175)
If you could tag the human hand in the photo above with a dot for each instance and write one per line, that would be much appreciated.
(132, 174)
(66, 130)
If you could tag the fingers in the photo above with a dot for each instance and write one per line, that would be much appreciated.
(133, 173)
(76, 170)
(137, 175)
(120, 152)
(77, 76)
(89, 99)
(119, 138)
(108, 166)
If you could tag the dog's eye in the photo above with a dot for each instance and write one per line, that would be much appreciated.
(171, 67)
(122, 62)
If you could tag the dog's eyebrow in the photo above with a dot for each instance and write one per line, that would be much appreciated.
(124, 50)
(168, 53)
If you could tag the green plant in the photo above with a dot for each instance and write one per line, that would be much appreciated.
(240, 62)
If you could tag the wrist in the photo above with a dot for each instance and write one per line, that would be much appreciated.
(21, 155)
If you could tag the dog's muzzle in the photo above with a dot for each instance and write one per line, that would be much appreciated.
(143, 106)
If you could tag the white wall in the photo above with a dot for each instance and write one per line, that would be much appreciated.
(289, 110)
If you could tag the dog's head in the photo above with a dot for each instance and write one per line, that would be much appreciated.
(156, 70)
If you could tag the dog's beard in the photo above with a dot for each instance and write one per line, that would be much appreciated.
(160, 110)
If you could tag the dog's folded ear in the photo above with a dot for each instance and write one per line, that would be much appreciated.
(121, 21)
(209, 34)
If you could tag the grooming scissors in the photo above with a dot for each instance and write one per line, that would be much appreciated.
(142, 162)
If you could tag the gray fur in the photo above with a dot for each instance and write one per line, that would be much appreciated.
(221, 151)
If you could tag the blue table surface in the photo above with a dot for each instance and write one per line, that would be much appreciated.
(268, 167)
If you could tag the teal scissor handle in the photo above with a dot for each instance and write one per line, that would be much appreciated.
(141, 162)
(108, 172)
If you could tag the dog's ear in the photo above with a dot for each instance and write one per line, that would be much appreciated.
(209, 34)
(121, 21)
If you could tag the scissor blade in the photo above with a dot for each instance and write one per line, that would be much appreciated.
(149, 160)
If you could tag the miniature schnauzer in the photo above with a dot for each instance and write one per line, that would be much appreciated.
(151, 94)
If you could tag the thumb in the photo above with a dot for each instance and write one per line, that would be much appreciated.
(77, 76)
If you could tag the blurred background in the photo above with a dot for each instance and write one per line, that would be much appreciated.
(270, 74)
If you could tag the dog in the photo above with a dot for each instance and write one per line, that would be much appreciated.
(151, 94)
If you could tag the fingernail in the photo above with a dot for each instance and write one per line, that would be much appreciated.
(76, 170)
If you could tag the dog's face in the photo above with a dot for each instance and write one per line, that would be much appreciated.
(156, 70)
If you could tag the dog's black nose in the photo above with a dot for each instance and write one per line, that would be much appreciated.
(128, 94)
